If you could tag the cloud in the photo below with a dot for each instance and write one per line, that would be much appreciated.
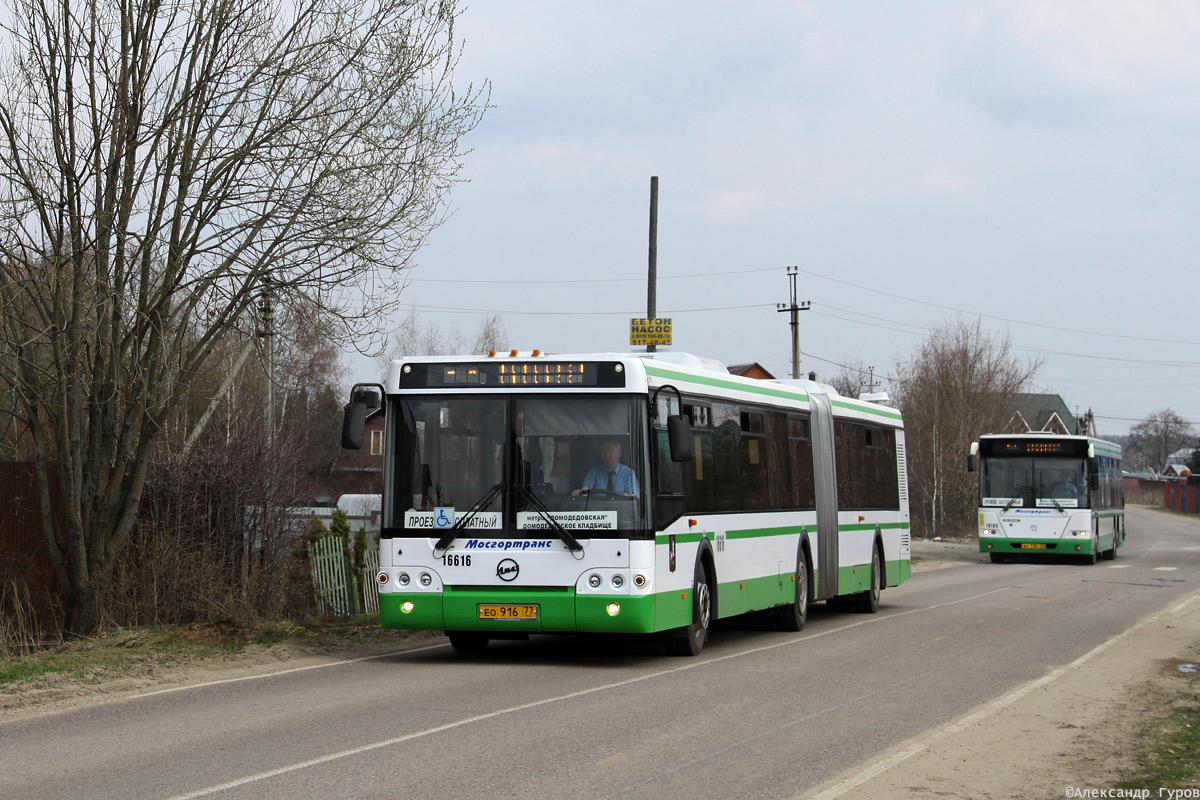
(940, 178)
(1077, 63)
(735, 206)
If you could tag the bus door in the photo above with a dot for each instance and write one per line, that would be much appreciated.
(825, 483)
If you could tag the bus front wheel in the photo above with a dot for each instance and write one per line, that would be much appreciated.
(689, 640)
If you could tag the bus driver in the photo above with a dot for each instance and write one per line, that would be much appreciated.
(610, 474)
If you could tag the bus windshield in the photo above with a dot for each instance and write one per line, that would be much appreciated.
(519, 465)
(1034, 483)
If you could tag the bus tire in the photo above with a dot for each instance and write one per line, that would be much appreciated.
(689, 640)
(793, 616)
(868, 602)
(468, 641)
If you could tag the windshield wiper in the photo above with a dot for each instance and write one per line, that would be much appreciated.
(1009, 504)
(461, 523)
(572, 543)
(1056, 505)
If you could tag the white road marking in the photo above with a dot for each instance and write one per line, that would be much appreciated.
(886, 763)
(366, 748)
(281, 672)
(1165, 569)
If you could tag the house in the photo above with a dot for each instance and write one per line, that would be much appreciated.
(1176, 466)
(1041, 413)
(751, 370)
(361, 471)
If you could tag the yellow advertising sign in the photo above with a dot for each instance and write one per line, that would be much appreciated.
(643, 332)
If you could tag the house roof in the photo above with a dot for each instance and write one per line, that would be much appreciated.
(1038, 410)
(751, 370)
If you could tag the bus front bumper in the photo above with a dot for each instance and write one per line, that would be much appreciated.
(555, 611)
(1051, 547)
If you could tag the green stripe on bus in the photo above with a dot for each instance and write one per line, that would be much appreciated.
(680, 538)
(882, 411)
(709, 380)
(870, 526)
(785, 530)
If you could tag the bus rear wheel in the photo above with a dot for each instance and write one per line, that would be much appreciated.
(868, 602)
(689, 640)
(793, 616)
(468, 641)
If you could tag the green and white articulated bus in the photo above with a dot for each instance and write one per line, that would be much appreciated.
(1049, 494)
(732, 496)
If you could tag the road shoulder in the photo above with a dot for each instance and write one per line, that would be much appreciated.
(1068, 730)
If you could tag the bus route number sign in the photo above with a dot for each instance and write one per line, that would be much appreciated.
(645, 332)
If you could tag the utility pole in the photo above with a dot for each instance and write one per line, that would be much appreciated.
(795, 308)
(266, 310)
(652, 279)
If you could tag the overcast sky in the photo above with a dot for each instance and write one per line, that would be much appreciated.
(1034, 165)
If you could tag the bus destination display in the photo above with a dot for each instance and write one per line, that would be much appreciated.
(1065, 447)
(496, 374)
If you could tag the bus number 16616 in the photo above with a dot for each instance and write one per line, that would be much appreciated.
(456, 560)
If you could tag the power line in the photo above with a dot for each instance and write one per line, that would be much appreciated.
(993, 316)
(572, 313)
(641, 279)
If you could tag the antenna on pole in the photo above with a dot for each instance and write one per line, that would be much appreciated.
(869, 383)
(795, 308)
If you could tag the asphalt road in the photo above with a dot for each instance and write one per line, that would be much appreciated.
(759, 714)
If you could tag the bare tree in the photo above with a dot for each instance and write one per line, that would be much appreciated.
(169, 170)
(852, 378)
(959, 383)
(1160, 435)
(413, 337)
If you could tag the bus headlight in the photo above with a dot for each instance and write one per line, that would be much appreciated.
(613, 609)
(594, 581)
(1081, 533)
(617, 581)
(403, 579)
(407, 607)
(426, 579)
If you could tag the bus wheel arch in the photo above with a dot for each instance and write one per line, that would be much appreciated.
(868, 602)
(690, 639)
(791, 617)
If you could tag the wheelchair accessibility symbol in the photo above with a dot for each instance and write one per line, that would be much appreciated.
(443, 517)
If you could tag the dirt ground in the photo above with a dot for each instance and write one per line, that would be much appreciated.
(1061, 735)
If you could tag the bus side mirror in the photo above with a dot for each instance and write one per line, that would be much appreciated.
(354, 416)
(354, 422)
(972, 462)
(679, 435)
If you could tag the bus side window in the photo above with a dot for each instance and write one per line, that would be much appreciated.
(701, 478)
(803, 490)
